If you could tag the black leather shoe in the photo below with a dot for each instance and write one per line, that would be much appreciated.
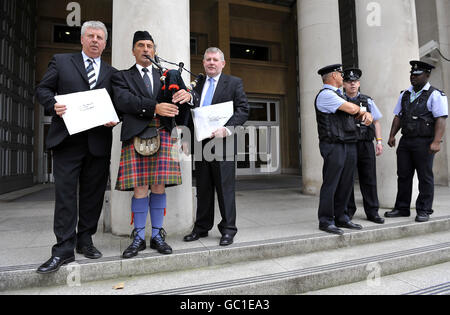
(54, 263)
(422, 217)
(349, 225)
(226, 240)
(160, 244)
(376, 219)
(135, 247)
(89, 252)
(333, 229)
(396, 214)
(194, 236)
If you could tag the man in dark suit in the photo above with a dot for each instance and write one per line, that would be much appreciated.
(219, 173)
(81, 159)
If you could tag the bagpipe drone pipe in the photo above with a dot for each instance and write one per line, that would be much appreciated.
(171, 83)
(171, 80)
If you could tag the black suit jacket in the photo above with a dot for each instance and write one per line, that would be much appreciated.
(66, 74)
(136, 107)
(229, 88)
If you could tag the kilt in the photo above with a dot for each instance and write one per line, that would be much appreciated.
(161, 168)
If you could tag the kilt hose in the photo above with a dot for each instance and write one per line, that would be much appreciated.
(161, 168)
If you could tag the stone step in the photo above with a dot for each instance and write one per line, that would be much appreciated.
(107, 268)
(431, 280)
(319, 277)
(296, 274)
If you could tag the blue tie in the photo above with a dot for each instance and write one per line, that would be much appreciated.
(209, 93)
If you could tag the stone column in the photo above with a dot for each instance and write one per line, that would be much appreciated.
(387, 41)
(443, 11)
(168, 23)
(223, 31)
(319, 45)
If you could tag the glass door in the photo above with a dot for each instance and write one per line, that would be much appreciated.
(259, 141)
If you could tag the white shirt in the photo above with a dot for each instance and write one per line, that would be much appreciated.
(96, 64)
(437, 103)
(329, 102)
(206, 87)
(149, 73)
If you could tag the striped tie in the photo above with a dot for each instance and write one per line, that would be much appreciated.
(91, 74)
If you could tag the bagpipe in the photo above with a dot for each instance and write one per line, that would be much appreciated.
(171, 80)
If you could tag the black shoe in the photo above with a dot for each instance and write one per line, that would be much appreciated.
(396, 214)
(226, 240)
(376, 219)
(89, 252)
(54, 263)
(194, 236)
(349, 225)
(158, 243)
(422, 217)
(135, 247)
(333, 229)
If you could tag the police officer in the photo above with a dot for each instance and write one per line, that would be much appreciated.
(337, 141)
(366, 161)
(421, 114)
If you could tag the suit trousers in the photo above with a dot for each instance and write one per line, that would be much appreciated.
(413, 154)
(80, 183)
(367, 173)
(338, 178)
(219, 176)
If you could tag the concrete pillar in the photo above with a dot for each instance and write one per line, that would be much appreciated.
(223, 31)
(443, 12)
(319, 45)
(168, 23)
(387, 41)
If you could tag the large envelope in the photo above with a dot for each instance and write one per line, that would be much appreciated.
(208, 119)
(87, 110)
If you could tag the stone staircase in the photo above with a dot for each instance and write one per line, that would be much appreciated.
(293, 265)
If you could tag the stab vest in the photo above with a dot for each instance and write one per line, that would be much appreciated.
(364, 133)
(416, 120)
(339, 127)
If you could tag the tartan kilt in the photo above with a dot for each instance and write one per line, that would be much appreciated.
(161, 168)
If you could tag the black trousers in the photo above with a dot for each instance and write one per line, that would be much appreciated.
(367, 173)
(210, 177)
(80, 183)
(338, 178)
(413, 155)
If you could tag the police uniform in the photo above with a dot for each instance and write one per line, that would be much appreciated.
(337, 135)
(366, 158)
(418, 112)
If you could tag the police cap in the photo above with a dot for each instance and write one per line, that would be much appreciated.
(330, 68)
(419, 67)
(352, 74)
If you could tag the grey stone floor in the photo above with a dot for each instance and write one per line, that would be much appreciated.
(273, 211)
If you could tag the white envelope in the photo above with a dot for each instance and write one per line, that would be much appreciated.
(87, 110)
(208, 119)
